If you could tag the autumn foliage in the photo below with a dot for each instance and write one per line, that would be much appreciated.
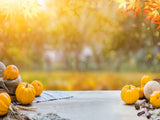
(148, 7)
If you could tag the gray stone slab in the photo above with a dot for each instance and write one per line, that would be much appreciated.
(89, 105)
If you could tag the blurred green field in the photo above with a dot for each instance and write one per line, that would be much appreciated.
(85, 80)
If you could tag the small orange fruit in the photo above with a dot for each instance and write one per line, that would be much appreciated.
(141, 94)
(129, 94)
(145, 79)
(38, 87)
(11, 72)
(25, 93)
(5, 102)
(155, 99)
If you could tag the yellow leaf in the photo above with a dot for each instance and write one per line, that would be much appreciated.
(29, 29)
(157, 34)
(148, 28)
(149, 56)
(143, 24)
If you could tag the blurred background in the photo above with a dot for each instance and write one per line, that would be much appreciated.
(78, 44)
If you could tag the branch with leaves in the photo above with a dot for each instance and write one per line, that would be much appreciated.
(149, 7)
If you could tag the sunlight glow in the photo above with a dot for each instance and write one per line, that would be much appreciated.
(18, 8)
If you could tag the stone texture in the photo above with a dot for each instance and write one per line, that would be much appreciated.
(89, 105)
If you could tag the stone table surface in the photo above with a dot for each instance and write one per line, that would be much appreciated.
(89, 105)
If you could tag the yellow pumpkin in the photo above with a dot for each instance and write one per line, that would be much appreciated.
(141, 94)
(5, 102)
(155, 99)
(11, 72)
(145, 79)
(38, 87)
(25, 93)
(129, 94)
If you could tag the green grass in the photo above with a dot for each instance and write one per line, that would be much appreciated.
(85, 80)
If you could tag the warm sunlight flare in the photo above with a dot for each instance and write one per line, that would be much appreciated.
(12, 9)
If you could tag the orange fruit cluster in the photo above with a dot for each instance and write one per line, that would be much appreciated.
(149, 89)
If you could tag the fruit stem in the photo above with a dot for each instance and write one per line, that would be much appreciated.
(27, 85)
(129, 87)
